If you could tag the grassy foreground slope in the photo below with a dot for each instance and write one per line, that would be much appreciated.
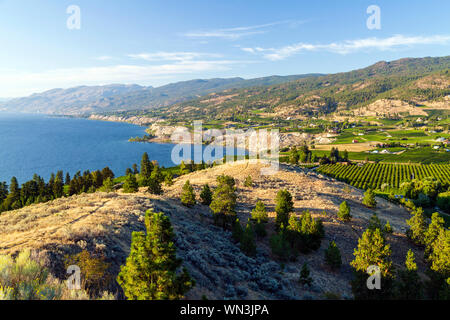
(103, 222)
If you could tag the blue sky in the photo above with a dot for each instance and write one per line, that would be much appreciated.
(158, 42)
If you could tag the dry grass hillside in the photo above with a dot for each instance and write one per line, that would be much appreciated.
(103, 222)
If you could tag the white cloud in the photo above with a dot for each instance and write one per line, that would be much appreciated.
(238, 32)
(173, 56)
(14, 84)
(350, 46)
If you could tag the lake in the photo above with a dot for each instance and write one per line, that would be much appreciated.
(42, 144)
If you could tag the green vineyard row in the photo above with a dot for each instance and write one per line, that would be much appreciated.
(373, 175)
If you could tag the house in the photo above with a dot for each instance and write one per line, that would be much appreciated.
(355, 141)
(385, 151)
(374, 151)
(436, 147)
(441, 139)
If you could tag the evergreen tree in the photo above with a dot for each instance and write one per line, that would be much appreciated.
(305, 278)
(333, 256)
(146, 166)
(107, 173)
(67, 181)
(248, 244)
(260, 229)
(372, 250)
(183, 168)
(284, 206)
(259, 213)
(58, 187)
(168, 179)
(417, 227)
(293, 155)
(128, 171)
(150, 272)
(248, 182)
(280, 244)
(135, 168)
(344, 212)
(375, 223)
(237, 231)
(188, 195)
(434, 228)
(130, 185)
(387, 228)
(154, 182)
(369, 199)
(224, 201)
(206, 195)
(408, 285)
(107, 186)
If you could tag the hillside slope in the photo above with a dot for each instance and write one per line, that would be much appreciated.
(103, 222)
(420, 81)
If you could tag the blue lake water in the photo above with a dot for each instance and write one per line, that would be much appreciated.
(41, 144)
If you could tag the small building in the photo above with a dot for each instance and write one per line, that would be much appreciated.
(355, 141)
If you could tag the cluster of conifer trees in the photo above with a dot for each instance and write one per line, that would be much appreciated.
(36, 190)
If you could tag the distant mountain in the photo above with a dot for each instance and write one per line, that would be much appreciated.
(118, 97)
(415, 81)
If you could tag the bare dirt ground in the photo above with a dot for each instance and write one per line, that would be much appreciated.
(351, 147)
(103, 222)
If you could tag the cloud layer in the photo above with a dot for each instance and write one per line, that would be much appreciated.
(349, 46)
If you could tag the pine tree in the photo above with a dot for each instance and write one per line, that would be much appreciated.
(280, 245)
(135, 168)
(107, 186)
(372, 251)
(67, 181)
(260, 229)
(130, 185)
(168, 179)
(305, 278)
(259, 213)
(146, 167)
(417, 227)
(375, 223)
(188, 195)
(293, 155)
(369, 199)
(434, 228)
(248, 244)
(206, 195)
(107, 173)
(333, 256)
(223, 202)
(237, 231)
(154, 182)
(150, 272)
(248, 182)
(344, 212)
(387, 228)
(284, 206)
(408, 285)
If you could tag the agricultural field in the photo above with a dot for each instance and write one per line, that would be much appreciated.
(375, 175)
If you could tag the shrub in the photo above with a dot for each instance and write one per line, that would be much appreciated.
(333, 256)
(387, 228)
(344, 212)
(408, 285)
(93, 271)
(187, 194)
(431, 234)
(305, 278)
(259, 213)
(443, 201)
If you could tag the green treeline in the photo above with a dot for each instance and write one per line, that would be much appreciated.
(36, 190)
